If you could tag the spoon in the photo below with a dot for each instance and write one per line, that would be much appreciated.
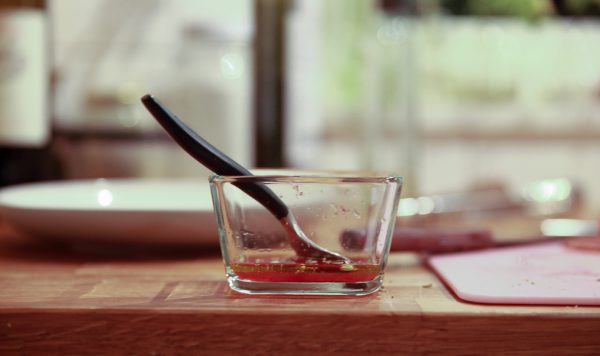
(221, 164)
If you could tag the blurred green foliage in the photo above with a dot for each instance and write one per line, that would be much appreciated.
(528, 9)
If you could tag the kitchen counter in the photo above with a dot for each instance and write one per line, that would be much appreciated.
(53, 300)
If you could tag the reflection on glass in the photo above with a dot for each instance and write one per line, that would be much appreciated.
(550, 190)
(569, 227)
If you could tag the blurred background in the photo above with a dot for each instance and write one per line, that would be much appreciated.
(451, 94)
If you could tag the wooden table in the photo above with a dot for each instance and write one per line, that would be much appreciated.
(53, 301)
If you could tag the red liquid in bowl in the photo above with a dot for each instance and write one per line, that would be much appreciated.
(306, 272)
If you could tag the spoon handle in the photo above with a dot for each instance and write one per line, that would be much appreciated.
(211, 157)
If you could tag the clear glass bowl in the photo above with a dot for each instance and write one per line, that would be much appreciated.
(349, 215)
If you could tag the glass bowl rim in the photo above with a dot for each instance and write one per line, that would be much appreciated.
(306, 178)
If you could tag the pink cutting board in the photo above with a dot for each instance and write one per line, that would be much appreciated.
(542, 274)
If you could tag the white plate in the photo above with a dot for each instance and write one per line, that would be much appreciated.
(150, 212)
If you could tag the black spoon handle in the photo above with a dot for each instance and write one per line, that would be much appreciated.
(211, 157)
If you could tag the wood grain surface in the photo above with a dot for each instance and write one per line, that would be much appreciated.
(56, 300)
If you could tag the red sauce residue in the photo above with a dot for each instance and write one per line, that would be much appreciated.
(306, 272)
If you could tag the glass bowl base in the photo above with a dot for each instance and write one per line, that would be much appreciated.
(305, 288)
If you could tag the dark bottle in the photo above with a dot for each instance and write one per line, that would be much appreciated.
(25, 130)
